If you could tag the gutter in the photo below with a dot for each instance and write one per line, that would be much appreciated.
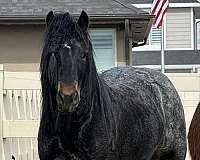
(40, 19)
(138, 44)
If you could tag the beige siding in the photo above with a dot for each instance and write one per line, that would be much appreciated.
(21, 43)
(178, 28)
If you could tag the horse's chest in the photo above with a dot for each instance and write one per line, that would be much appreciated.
(69, 139)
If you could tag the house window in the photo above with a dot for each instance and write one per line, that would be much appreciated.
(154, 36)
(104, 45)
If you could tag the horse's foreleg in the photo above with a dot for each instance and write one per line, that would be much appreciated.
(51, 148)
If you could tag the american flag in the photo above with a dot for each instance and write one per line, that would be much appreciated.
(159, 9)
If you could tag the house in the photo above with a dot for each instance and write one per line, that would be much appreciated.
(113, 25)
(181, 38)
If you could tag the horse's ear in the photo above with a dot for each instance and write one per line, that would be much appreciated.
(49, 16)
(83, 21)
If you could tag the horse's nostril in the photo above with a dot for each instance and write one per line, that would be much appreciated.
(61, 96)
(67, 103)
(60, 107)
(76, 98)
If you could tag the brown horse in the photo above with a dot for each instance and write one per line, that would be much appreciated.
(194, 135)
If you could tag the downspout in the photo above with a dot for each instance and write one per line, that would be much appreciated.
(128, 46)
(195, 44)
(134, 44)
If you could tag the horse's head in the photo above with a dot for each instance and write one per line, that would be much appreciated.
(68, 45)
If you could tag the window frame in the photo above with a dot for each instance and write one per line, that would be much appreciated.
(114, 33)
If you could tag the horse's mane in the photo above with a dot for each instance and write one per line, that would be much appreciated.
(62, 28)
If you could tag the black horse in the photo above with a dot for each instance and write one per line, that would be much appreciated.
(124, 113)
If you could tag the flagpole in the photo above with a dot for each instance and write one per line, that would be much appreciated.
(159, 9)
(162, 49)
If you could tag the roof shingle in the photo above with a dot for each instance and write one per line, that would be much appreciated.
(92, 7)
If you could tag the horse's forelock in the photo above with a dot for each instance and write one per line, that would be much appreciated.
(63, 28)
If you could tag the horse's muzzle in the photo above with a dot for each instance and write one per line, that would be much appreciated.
(67, 103)
(68, 98)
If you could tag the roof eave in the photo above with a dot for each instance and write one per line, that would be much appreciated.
(40, 19)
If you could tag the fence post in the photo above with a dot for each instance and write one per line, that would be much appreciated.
(2, 156)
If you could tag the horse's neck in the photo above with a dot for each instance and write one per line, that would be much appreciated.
(99, 92)
(101, 100)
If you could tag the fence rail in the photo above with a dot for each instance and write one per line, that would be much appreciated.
(20, 102)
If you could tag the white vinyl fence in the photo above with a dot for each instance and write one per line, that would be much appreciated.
(20, 101)
(188, 87)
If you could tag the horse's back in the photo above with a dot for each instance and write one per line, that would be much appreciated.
(142, 81)
(153, 91)
(120, 76)
(135, 80)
